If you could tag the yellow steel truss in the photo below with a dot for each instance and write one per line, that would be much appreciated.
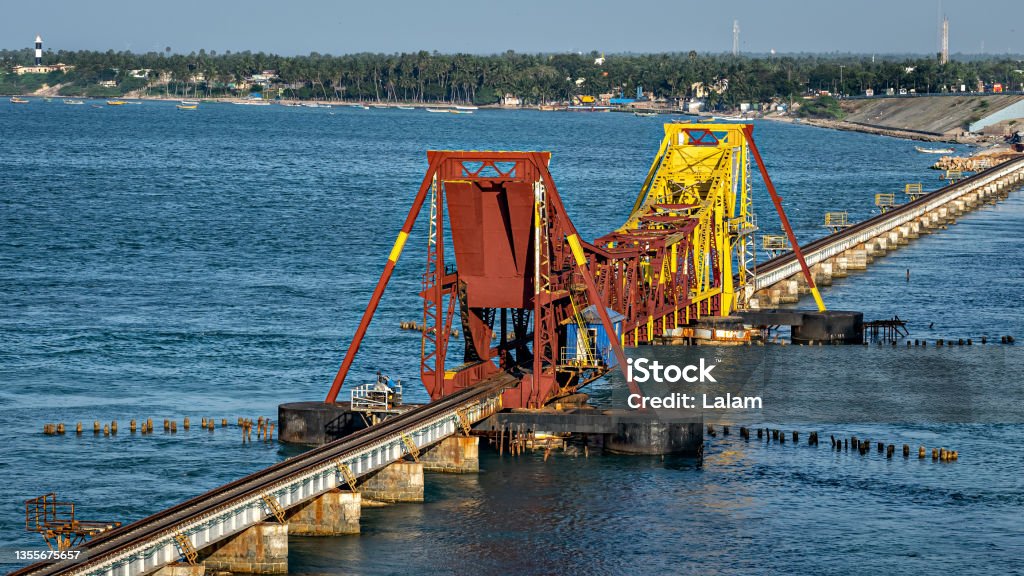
(701, 173)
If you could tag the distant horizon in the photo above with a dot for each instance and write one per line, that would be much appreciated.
(752, 55)
(791, 27)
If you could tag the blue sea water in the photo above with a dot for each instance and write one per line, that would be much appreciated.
(157, 263)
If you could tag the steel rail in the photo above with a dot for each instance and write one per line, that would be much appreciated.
(786, 265)
(116, 552)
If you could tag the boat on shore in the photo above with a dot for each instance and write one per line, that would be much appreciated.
(933, 150)
(116, 102)
(71, 102)
(588, 108)
(16, 100)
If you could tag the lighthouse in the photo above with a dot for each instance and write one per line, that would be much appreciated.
(39, 50)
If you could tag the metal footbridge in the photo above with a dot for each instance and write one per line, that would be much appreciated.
(168, 536)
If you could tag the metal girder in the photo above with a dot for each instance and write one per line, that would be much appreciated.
(146, 554)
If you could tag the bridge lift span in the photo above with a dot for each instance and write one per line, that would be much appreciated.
(538, 302)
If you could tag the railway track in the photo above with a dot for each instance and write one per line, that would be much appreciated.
(102, 555)
(786, 265)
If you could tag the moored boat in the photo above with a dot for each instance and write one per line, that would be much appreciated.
(406, 108)
(74, 102)
(188, 106)
(466, 108)
(437, 110)
(16, 100)
(934, 150)
(116, 102)
(645, 114)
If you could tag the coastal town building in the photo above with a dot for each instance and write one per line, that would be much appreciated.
(38, 67)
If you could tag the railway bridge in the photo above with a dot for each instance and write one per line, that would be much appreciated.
(543, 312)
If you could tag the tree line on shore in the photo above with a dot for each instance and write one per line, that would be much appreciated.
(721, 80)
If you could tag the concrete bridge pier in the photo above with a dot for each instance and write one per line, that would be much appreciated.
(401, 481)
(840, 266)
(454, 454)
(259, 549)
(878, 246)
(822, 272)
(177, 569)
(857, 258)
(330, 514)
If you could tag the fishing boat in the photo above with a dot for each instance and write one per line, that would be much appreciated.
(71, 102)
(588, 108)
(188, 106)
(437, 110)
(934, 150)
(16, 100)
(645, 114)
(116, 102)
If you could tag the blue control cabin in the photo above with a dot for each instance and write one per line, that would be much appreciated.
(591, 344)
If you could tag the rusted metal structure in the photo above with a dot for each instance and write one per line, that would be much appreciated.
(536, 301)
(55, 521)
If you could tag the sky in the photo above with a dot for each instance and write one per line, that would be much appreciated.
(292, 27)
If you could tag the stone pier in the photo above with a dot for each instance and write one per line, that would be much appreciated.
(398, 482)
(177, 569)
(330, 514)
(259, 549)
(455, 454)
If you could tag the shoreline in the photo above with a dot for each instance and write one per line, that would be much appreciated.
(841, 125)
